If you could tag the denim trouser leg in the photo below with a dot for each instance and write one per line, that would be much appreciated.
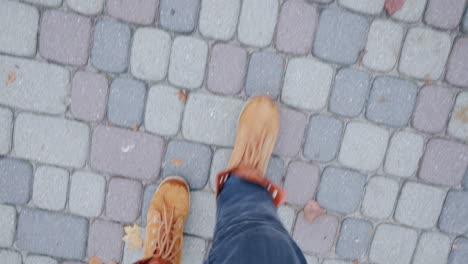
(248, 229)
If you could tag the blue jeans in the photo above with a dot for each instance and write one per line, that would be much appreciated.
(248, 229)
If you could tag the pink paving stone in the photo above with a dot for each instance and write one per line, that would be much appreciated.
(457, 67)
(65, 37)
(301, 182)
(89, 96)
(105, 241)
(316, 237)
(126, 153)
(444, 162)
(444, 14)
(433, 107)
(291, 132)
(124, 198)
(227, 68)
(139, 12)
(296, 27)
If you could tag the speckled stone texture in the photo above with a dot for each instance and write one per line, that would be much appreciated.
(141, 12)
(458, 63)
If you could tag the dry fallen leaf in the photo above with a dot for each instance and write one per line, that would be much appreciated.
(313, 210)
(381, 99)
(455, 246)
(133, 236)
(11, 78)
(95, 260)
(177, 162)
(462, 115)
(427, 79)
(134, 127)
(393, 5)
(183, 96)
(355, 261)
(111, 262)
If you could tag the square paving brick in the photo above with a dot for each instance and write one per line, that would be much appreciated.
(381, 195)
(50, 188)
(444, 162)
(89, 96)
(60, 235)
(454, 213)
(457, 126)
(458, 63)
(123, 199)
(147, 196)
(291, 132)
(323, 138)
(296, 27)
(301, 182)
(316, 237)
(391, 101)
(404, 153)
(340, 36)
(126, 102)
(65, 37)
(48, 3)
(111, 46)
(393, 244)
(218, 164)
(226, 69)
(265, 74)
(372, 7)
(6, 130)
(340, 190)
(16, 177)
(36, 259)
(363, 146)
(383, 45)
(350, 92)
(465, 180)
(257, 22)
(307, 84)
(419, 205)
(287, 216)
(139, 12)
(188, 62)
(195, 162)
(52, 140)
(105, 241)
(86, 7)
(218, 18)
(194, 250)
(459, 255)
(275, 170)
(10, 256)
(87, 192)
(432, 109)
(411, 11)
(444, 14)
(8, 223)
(424, 53)
(433, 248)
(163, 110)
(464, 23)
(354, 239)
(151, 49)
(180, 16)
(202, 210)
(311, 259)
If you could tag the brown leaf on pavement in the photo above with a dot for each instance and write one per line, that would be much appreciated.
(11, 78)
(427, 79)
(183, 96)
(355, 261)
(455, 246)
(381, 100)
(313, 210)
(133, 236)
(177, 162)
(393, 5)
(95, 260)
(134, 127)
(462, 115)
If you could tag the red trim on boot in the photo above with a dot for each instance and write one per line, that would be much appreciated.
(152, 260)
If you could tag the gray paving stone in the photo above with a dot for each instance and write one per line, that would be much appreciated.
(6, 130)
(363, 146)
(163, 112)
(393, 244)
(218, 164)
(111, 46)
(87, 190)
(36, 259)
(264, 74)
(287, 215)
(218, 18)
(301, 182)
(275, 170)
(459, 254)
(34, 89)
(126, 153)
(48, 3)
(336, 261)
(403, 155)
(307, 83)
(454, 213)
(316, 237)
(51, 140)
(180, 16)
(323, 138)
(293, 124)
(464, 23)
(10, 256)
(140, 12)
(465, 180)
(456, 126)
(424, 53)
(411, 11)
(381, 195)
(257, 22)
(188, 62)
(350, 92)
(86, 7)
(126, 102)
(50, 188)
(8, 223)
(433, 248)
(195, 159)
(340, 36)
(147, 196)
(202, 210)
(18, 28)
(391, 101)
(105, 241)
(16, 178)
(457, 64)
(354, 239)
(340, 190)
(218, 115)
(371, 7)
(194, 250)
(53, 234)
(321, 1)
(89, 96)
(123, 199)
(419, 205)
(311, 259)
(444, 14)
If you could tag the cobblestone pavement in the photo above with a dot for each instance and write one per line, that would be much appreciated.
(100, 100)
